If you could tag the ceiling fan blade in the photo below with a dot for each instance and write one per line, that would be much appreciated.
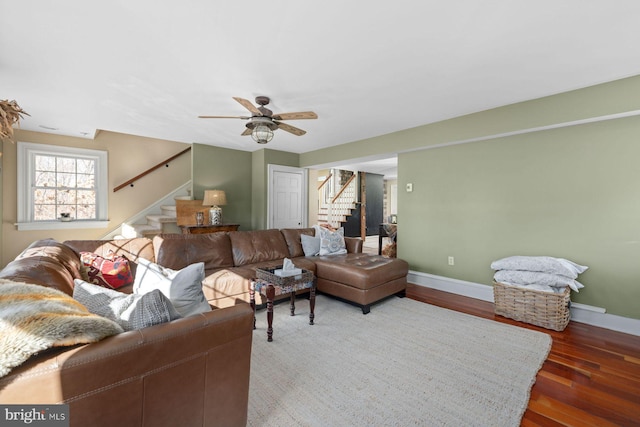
(246, 132)
(296, 116)
(248, 105)
(224, 117)
(291, 129)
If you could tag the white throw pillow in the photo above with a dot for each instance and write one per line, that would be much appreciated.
(331, 242)
(182, 287)
(310, 245)
(130, 311)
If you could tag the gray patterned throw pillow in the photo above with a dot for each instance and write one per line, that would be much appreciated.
(131, 311)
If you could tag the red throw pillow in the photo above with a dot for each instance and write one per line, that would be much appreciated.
(111, 272)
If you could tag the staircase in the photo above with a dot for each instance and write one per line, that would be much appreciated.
(157, 218)
(163, 222)
(335, 210)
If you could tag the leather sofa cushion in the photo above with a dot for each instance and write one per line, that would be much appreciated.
(176, 251)
(251, 247)
(361, 271)
(227, 283)
(50, 248)
(354, 244)
(292, 237)
(40, 271)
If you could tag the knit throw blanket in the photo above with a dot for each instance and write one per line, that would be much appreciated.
(34, 318)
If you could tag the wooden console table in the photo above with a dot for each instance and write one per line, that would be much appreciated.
(208, 228)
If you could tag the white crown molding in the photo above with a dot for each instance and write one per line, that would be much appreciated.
(582, 313)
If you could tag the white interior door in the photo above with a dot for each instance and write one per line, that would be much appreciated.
(287, 198)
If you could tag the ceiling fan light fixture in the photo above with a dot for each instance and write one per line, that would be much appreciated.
(262, 134)
(262, 122)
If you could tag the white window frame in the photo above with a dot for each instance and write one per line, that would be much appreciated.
(26, 163)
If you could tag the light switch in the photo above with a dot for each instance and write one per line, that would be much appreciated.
(409, 187)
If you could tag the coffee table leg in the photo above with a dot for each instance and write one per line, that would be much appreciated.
(270, 296)
(312, 303)
(293, 303)
(252, 299)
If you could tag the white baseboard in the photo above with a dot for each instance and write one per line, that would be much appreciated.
(582, 313)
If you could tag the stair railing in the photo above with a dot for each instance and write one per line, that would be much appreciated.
(344, 200)
(324, 190)
(337, 206)
(344, 187)
(151, 169)
(324, 194)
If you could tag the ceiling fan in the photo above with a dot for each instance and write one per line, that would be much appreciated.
(262, 122)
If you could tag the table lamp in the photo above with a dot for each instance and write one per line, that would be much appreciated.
(215, 199)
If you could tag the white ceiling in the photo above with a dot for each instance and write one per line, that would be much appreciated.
(150, 68)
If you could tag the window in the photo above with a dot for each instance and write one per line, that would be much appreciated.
(56, 181)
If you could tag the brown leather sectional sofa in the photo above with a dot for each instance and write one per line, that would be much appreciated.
(232, 258)
(191, 371)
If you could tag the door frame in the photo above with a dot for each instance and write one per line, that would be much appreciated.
(304, 199)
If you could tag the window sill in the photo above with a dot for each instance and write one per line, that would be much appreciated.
(60, 225)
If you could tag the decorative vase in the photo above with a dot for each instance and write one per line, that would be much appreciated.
(215, 215)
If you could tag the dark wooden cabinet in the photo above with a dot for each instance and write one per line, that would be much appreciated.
(204, 229)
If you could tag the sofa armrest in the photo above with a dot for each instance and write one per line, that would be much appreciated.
(353, 244)
(192, 371)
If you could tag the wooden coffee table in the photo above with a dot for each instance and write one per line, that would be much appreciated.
(269, 284)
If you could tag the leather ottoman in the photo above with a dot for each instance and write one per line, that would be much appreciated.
(361, 279)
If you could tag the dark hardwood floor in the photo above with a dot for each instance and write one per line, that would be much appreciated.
(591, 377)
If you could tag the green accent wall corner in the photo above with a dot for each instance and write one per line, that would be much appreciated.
(228, 170)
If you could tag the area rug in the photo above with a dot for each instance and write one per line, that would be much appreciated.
(405, 363)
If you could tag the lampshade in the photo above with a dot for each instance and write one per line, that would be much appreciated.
(262, 134)
(214, 198)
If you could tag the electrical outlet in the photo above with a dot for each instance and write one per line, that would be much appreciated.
(451, 261)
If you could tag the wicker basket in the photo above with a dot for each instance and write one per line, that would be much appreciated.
(546, 309)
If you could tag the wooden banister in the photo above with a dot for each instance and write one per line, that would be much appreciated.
(346, 184)
(148, 171)
(324, 182)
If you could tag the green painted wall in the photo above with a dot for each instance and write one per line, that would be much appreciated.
(260, 161)
(259, 191)
(228, 170)
(570, 193)
(609, 98)
(561, 190)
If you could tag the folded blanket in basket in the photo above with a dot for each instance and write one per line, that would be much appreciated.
(543, 288)
(544, 280)
(542, 264)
